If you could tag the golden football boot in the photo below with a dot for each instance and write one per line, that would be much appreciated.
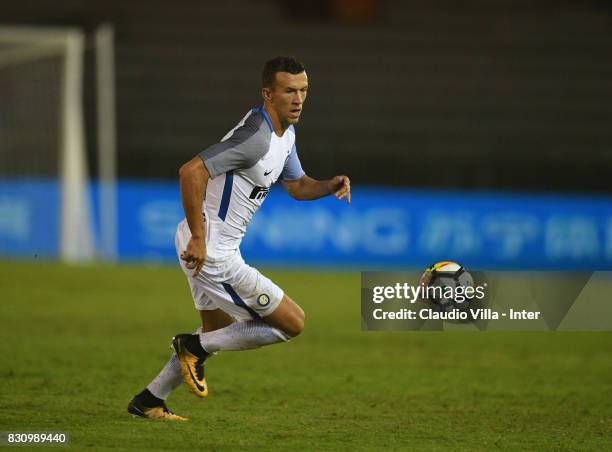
(158, 413)
(191, 356)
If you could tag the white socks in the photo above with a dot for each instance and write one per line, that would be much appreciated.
(242, 336)
(237, 336)
(168, 378)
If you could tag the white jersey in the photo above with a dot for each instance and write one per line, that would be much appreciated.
(242, 167)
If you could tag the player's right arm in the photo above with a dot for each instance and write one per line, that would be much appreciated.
(193, 177)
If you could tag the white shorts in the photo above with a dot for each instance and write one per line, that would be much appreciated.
(230, 285)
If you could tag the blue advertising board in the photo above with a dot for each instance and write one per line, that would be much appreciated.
(380, 228)
(29, 218)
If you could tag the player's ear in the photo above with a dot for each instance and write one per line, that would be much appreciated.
(266, 93)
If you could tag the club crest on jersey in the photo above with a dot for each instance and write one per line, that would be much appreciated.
(263, 300)
(259, 192)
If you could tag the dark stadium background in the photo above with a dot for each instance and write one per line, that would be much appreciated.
(505, 94)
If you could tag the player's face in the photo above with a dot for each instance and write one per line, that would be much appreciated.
(288, 95)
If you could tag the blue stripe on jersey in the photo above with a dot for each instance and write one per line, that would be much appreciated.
(265, 115)
(239, 301)
(227, 194)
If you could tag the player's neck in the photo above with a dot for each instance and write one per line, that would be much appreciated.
(277, 124)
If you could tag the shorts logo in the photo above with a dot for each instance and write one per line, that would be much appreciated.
(263, 300)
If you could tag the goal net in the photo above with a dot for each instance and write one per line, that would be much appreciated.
(45, 200)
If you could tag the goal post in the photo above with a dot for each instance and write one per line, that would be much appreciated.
(23, 46)
(107, 141)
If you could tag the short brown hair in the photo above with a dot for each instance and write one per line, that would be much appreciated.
(279, 64)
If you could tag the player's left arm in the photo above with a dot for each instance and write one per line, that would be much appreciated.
(306, 188)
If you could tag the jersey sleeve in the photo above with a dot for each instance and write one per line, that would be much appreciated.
(241, 148)
(293, 168)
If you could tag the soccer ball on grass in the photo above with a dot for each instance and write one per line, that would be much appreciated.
(447, 286)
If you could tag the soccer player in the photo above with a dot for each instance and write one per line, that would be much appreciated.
(221, 189)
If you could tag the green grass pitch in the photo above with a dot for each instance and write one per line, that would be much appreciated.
(78, 342)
